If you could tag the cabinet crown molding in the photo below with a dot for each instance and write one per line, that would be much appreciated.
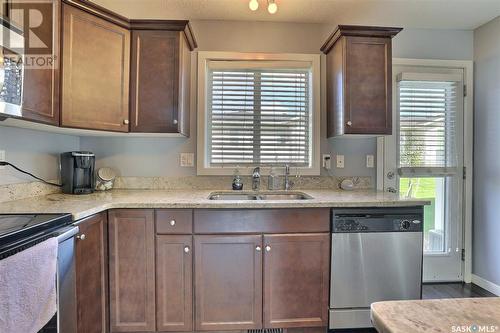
(136, 24)
(358, 31)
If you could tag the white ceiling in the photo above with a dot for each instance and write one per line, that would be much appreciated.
(434, 14)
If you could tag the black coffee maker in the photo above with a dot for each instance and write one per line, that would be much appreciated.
(77, 172)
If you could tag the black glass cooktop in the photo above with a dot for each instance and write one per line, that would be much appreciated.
(19, 231)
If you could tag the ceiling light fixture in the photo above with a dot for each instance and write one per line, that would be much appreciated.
(272, 7)
(253, 5)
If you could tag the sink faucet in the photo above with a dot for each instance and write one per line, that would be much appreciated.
(288, 182)
(256, 179)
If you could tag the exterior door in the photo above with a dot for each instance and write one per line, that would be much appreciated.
(132, 270)
(174, 280)
(424, 159)
(296, 280)
(92, 274)
(228, 282)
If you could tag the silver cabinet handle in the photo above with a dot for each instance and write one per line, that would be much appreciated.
(172, 222)
(186, 249)
(268, 248)
(258, 248)
(349, 123)
(125, 122)
(175, 121)
(81, 237)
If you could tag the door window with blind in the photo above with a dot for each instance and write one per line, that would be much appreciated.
(258, 113)
(430, 162)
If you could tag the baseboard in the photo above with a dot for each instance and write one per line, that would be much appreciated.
(485, 284)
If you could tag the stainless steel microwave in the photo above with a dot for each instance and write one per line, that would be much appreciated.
(11, 69)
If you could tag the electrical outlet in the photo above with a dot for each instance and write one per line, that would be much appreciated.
(327, 161)
(370, 161)
(2, 158)
(340, 161)
(187, 159)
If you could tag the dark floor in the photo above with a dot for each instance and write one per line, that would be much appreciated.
(439, 290)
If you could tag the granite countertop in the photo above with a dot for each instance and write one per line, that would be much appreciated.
(85, 205)
(437, 316)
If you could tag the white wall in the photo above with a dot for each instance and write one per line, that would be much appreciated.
(159, 157)
(36, 152)
(434, 44)
(486, 229)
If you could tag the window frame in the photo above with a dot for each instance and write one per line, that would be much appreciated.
(203, 166)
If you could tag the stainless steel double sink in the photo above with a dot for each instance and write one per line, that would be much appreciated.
(251, 196)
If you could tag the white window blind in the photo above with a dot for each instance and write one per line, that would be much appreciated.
(428, 115)
(258, 115)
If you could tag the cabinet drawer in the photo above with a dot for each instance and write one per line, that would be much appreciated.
(174, 221)
(241, 221)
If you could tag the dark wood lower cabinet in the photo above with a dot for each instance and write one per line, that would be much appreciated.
(296, 280)
(228, 282)
(132, 270)
(92, 274)
(174, 283)
(237, 282)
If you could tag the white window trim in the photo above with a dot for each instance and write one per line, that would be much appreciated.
(468, 67)
(204, 57)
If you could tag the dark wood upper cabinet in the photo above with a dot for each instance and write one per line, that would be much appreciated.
(92, 275)
(228, 282)
(296, 280)
(95, 72)
(41, 73)
(174, 283)
(160, 76)
(132, 270)
(359, 80)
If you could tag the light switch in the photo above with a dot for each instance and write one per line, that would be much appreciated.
(187, 159)
(327, 161)
(370, 161)
(340, 161)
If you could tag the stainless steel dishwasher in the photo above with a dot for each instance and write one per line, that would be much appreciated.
(376, 256)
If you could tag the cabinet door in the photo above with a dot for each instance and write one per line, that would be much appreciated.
(41, 74)
(95, 80)
(296, 271)
(92, 274)
(368, 83)
(131, 270)
(174, 276)
(155, 81)
(228, 282)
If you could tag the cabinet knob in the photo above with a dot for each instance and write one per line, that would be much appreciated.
(172, 222)
(258, 248)
(81, 237)
(268, 248)
(186, 249)
(349, 123)
(175, 121)
(126, 122)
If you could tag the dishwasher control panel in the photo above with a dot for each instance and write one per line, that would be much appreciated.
(377, 220)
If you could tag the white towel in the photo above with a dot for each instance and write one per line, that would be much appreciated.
(28, 288)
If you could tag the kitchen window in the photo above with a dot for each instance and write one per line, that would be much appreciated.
(258, 110)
